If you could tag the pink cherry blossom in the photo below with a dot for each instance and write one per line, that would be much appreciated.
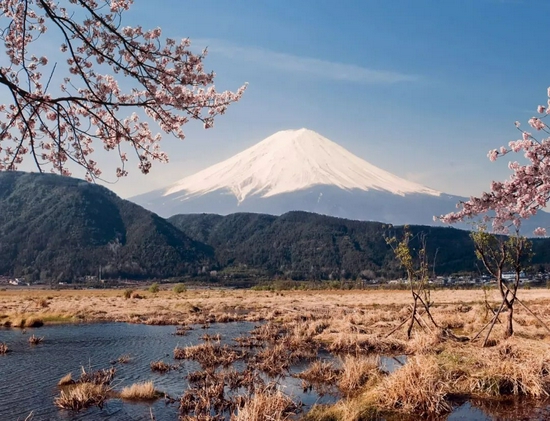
(521, 196)
(540, 231)
(59, 111)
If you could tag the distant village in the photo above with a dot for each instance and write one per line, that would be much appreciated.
(452, 281)
(472, 280)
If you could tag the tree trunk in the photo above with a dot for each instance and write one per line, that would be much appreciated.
(413, 315)
(509, 325)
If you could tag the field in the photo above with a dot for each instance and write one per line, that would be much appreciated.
(444, 362)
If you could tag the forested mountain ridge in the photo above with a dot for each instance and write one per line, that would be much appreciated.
(302, 245)
(305, 245)
(55, 228)
(64, 228)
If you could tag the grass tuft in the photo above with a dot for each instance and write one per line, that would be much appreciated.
(140, 392)
(160, 366)
(35, 340)
(81, 396)
(418, 387)
(266, 405)
(66, 380)
(356, 372)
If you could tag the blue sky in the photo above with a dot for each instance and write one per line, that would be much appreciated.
(420, 88)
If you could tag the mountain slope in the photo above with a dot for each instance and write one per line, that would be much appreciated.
(289, 161)
(300, 170)
(53, 226)
(303, 245)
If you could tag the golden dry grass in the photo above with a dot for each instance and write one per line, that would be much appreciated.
(356, 311)
(356, 372)
(266, 405)
(81, 396)
(320, 372)
(160, 366)
(140, 392)
(66, 380)
(418, 387)
(353, 324)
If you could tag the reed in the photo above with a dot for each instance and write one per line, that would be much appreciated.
(266, 405)
(209, 354)
(81, 396)
(356, 372)
(160, 366)
(320, 372)
(365, 344)
(35, 340)
(510, 368)
(66, 380)
(140, 392)
(101, 377)
(3, 348)
(182, 330)
(124, 359)
(418, 387)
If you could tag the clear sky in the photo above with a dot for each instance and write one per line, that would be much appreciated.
(420, 88)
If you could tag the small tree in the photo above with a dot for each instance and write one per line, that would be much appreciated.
(110, 77)
(417, 269)
(520, 255)
(498, 253)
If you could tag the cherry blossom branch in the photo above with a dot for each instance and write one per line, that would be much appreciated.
(164, 81)
(526, 191)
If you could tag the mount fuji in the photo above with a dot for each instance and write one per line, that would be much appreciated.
(300, 170)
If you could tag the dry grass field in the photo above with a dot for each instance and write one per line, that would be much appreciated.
(443, 362)
(33, 306)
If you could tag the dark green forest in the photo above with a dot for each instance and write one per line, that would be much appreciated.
(62, 229)
(300, 245)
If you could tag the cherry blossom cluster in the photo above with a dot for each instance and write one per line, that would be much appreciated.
(525, 192)
(107, 70)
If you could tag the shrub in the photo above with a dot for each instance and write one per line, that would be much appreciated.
(154, 288)
(128, 293)
(179, 288)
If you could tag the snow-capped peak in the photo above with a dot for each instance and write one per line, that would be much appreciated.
(293, 160)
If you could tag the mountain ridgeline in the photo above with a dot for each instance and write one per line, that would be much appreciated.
(301, 170)
(60, 228)
(301, 245)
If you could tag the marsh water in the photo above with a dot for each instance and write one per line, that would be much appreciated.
(29, 374)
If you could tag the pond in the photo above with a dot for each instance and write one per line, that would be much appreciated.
(29, 374)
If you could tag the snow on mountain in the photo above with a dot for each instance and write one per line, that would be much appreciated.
(290, 161)
(300, 170)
